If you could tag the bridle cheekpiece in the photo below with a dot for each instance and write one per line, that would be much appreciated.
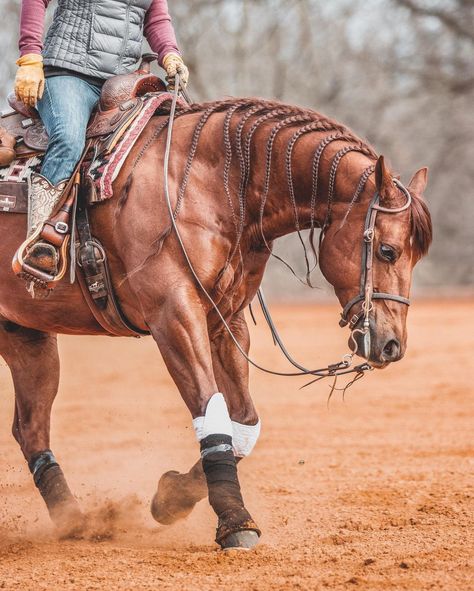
(367, 294)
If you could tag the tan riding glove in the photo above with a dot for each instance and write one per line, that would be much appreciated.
(29, 81)
(173, 64)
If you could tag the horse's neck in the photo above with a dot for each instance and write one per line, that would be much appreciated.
(296, 198)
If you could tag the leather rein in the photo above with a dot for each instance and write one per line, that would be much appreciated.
(366, 295)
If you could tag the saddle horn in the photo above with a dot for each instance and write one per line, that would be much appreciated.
(147, 60)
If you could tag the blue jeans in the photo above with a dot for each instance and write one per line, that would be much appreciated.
(65, 109)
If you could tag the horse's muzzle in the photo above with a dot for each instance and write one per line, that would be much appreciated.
(378, 349)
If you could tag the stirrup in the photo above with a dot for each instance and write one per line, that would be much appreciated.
(41, 278)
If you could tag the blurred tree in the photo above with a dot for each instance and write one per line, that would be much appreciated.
(8, 40)
(456, 15)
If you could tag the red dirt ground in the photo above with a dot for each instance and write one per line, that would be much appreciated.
(373, 493)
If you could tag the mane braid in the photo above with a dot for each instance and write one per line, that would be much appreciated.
(269, 152)
(360, 187)
(248, 138)
(270, 109)
(274, 113)
(332, 176)
(315, 168)
(293, 120)
(228, 164)
(192, 153)
(311, 127)
(244, 174)
(244, 165)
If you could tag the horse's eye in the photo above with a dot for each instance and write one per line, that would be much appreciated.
(388, 253)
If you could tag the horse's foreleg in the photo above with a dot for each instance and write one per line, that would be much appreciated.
(232, 374)
(182, 336)
(178, 493)
(32, 357)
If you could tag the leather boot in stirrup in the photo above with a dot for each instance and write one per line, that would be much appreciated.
(37, 259)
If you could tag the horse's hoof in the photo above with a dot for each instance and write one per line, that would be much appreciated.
(241, 540)
(174, 499)
(70, 521)
(73, 527)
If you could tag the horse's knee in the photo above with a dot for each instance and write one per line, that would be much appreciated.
(216, 420)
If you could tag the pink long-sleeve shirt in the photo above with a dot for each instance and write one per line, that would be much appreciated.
(158, 28)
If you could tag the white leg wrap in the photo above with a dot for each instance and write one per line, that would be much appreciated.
(215, 421)
(244, 438)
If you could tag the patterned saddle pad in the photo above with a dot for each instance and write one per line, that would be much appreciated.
(100, 171)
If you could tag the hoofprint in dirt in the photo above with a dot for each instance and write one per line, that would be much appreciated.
(374, 493)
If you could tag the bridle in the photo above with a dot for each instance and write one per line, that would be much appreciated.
(367, 294)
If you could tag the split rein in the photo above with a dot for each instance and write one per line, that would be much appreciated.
(367, 295)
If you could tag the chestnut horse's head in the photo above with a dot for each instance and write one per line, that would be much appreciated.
(369, 257)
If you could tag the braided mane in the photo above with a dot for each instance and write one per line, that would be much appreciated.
(304, 121)
(283, 117)
(307, 120)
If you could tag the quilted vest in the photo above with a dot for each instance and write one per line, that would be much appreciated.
(101, 38)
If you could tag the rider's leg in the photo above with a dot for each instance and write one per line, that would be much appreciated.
(65, 109)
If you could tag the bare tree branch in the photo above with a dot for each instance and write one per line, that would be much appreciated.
(448, 19)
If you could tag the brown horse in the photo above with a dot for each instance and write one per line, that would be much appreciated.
(242, 173)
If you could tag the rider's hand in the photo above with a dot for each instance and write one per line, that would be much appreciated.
(173, 64)
(29, 81)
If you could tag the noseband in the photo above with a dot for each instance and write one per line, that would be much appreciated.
(367, 294)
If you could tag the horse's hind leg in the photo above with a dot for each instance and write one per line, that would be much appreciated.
(32, 357)
(178, 493)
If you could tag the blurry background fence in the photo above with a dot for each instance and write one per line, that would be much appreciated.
(399, 72)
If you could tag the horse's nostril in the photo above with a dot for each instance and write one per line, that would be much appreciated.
(391, 351)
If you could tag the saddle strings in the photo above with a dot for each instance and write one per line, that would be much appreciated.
(341, 368)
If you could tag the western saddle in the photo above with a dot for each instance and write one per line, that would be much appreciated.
(22, 133)
(22, 136)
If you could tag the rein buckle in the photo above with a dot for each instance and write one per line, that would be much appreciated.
(354, 320)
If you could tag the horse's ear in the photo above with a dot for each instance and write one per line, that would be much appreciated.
(383, 179)
(419, 181)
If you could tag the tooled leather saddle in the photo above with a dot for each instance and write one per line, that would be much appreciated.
(23, 134)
